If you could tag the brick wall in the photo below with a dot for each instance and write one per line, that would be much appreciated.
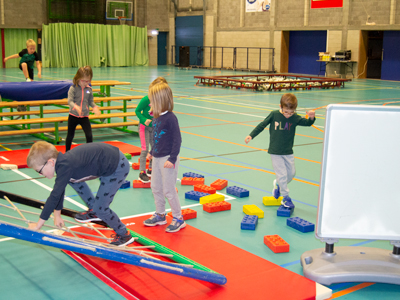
(325, 17)
(157, 14)
(228, 14)
(27, 14)
(289, 13)
(252, 39)
(379, 12)
(140, 14)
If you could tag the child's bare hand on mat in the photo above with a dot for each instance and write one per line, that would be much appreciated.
(248, 139)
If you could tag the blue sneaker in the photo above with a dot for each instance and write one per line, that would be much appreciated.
(287, 202)
(176, 225)
(122, 240)
(276, 192)
(155, 219)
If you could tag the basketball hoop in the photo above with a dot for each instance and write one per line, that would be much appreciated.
(122, 20)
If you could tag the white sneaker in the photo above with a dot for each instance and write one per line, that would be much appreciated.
(28, 80)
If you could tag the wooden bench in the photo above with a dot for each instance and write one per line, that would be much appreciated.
(15, 104)
(105, 86)
(58, 111)
(23, 126)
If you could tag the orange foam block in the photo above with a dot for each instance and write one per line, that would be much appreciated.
(138, 184)
(136, 166)
(276, 243)
(192, 181)
(205, 189)
(219, 184)
(187, 214)
(216, 206)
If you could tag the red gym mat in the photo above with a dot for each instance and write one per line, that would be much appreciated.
(248, 275)
(18, 157)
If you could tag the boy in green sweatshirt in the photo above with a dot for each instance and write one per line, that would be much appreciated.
(282, 130)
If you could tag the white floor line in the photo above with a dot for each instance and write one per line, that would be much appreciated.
(222, 110)
(227, 198)
(222, 101)
(49, 189)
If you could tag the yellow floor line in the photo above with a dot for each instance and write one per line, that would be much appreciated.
(351, 289)
(231, 122)
(215, 139)
(243, 167)
(5, 148)
(228, 104)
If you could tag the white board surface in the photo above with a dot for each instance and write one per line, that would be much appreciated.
(359, 194)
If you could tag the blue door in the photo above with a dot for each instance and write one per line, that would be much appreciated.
(162, 48)
(303, 51)
(391, 57)
(189, 32)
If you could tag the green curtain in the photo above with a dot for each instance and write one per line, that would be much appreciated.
(76, 45)
(15, 41)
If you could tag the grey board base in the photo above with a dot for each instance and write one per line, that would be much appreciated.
(351, 264)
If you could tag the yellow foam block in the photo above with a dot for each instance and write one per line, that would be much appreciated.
(212, 198)
(253, 210)
(272, 201)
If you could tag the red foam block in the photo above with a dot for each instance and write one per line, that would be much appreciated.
(187, 214)
(216, 206)
(138, 184)
(192, 181)
(205, 189)
(276, 243)
(219, 184)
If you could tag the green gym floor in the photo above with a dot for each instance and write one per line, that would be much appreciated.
(214, 122)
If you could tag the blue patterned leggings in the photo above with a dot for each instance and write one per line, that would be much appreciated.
(108, 188)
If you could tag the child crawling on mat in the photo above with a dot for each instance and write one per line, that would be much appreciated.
(85, 162)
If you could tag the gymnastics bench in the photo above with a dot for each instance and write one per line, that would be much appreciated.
(23, 126)
(104, 104)
(105, 86)
(58, 111)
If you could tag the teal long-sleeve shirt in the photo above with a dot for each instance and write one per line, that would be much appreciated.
(143, 111)
(281, 131)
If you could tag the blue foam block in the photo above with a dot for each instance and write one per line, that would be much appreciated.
(237, 191)
(300, 224)
(194, 195)
(193, 175)
(126, 184)
(284, 211)
(249, 222)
